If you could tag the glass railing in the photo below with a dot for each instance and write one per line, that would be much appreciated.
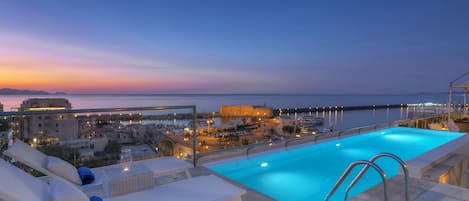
(247, 150)
(285, 144)
(95, 137)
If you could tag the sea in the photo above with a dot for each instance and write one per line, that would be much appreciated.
(208, 103)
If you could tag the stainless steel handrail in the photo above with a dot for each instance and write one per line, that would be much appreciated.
(231, 149)
(247, 148)
(122, 109)
(288, 141)
(373, 159)
(350, 168)
(263, 144)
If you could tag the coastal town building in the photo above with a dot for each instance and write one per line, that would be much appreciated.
(134, 134)
(46, 128)
(245, 111)
(95, 144)
(86, 147)
(1, 107)
(114, 132)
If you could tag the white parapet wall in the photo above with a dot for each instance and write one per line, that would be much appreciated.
(423, 163)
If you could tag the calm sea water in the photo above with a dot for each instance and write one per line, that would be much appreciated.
(211, 103)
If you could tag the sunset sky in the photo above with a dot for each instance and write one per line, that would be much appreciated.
(117, 46)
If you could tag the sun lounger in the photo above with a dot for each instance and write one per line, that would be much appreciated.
(29, 156)
(17, 185)
(37, 160)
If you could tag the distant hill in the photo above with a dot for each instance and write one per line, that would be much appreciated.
(8, 91)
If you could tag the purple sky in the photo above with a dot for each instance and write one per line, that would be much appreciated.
(114, 46)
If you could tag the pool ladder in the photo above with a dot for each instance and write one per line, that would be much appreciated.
(368, 164)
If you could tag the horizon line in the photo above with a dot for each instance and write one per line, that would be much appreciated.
(234, 93)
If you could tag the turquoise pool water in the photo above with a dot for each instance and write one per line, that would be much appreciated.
(308, 173)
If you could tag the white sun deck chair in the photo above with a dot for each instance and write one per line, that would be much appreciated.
(37, 160)
(17, 185)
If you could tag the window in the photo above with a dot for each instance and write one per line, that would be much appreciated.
(39, 125)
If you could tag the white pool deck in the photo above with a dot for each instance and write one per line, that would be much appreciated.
(251, 195)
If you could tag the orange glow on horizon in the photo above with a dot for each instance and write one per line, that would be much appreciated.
(82, 82)
(54, 75)
(33, 63)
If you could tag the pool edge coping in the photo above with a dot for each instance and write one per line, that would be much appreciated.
(424, 162)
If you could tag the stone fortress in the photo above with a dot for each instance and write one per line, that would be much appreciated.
(245, 111)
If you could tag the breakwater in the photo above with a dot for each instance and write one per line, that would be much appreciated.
(335, 108)
(276, 112)
(202, 115)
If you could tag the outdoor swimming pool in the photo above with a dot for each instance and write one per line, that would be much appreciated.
(307, 173)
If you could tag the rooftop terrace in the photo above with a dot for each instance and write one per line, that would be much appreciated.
(423, 186)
